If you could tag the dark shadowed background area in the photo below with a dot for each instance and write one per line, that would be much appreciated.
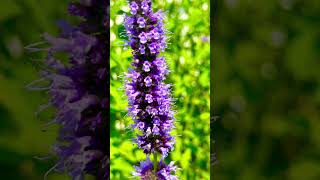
(22, 134)
(266, 89)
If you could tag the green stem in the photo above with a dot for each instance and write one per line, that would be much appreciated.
(155, 162)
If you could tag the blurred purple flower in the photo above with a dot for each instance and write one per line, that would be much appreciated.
(79, 89)
(205, 39)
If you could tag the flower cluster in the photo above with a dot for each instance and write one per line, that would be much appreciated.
(149, 97)
(79, 90)
(164, 172)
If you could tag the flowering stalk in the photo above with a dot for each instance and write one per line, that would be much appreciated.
(149, 97)
(79, 91)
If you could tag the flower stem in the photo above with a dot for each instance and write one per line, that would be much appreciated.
(155, 162)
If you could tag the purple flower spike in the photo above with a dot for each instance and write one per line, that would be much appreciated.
(149, 97)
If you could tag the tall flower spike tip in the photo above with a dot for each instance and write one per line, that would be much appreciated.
(149, 97)
(79, 91)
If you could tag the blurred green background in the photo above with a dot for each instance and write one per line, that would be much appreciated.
(266, 89)
(21, 133)
(188, 57)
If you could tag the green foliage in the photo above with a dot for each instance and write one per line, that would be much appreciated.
(21, 136)
(189, 61)
(266, 89)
